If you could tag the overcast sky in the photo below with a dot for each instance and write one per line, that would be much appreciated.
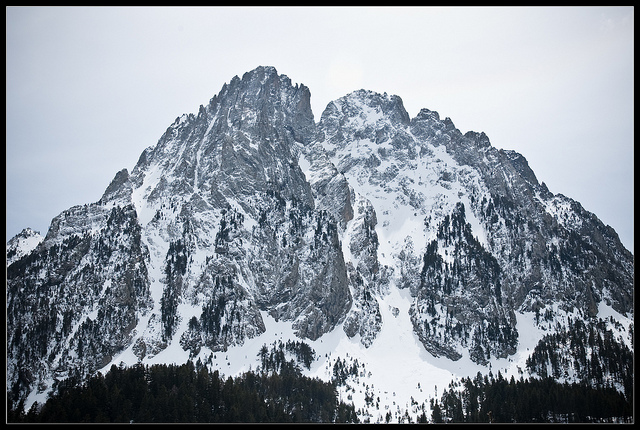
(88, 89)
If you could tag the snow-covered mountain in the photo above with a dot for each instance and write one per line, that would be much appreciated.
(401, 246)
(22, 244)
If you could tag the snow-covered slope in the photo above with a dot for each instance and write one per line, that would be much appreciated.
(395, 371)
(22, 244)
(421, 253)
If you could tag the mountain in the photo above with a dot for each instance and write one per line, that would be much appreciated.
(398, 245)
(21, 244)
(488, 239)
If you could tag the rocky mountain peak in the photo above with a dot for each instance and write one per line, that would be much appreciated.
(363, 115)
(263, 101)
(247, 214)
(22, 244)
(239, 144)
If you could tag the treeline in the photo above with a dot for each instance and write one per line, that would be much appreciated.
(488, 399)
(191, 394)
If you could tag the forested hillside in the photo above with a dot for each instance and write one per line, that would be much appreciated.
(189, 393)
(489, 399)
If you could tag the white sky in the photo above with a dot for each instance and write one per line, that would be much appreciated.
(89, 88)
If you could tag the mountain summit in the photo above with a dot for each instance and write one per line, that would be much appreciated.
(249, 215)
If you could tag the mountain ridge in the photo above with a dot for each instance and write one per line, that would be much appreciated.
(250, 211)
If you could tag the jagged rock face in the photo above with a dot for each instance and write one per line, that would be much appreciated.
(547, 245)
(330, 188)
(219, 218)
(238, 145)
(74, 301)
(249, 207)
(509, 246)
(233, 171)
(460, 296)
(414, 185)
